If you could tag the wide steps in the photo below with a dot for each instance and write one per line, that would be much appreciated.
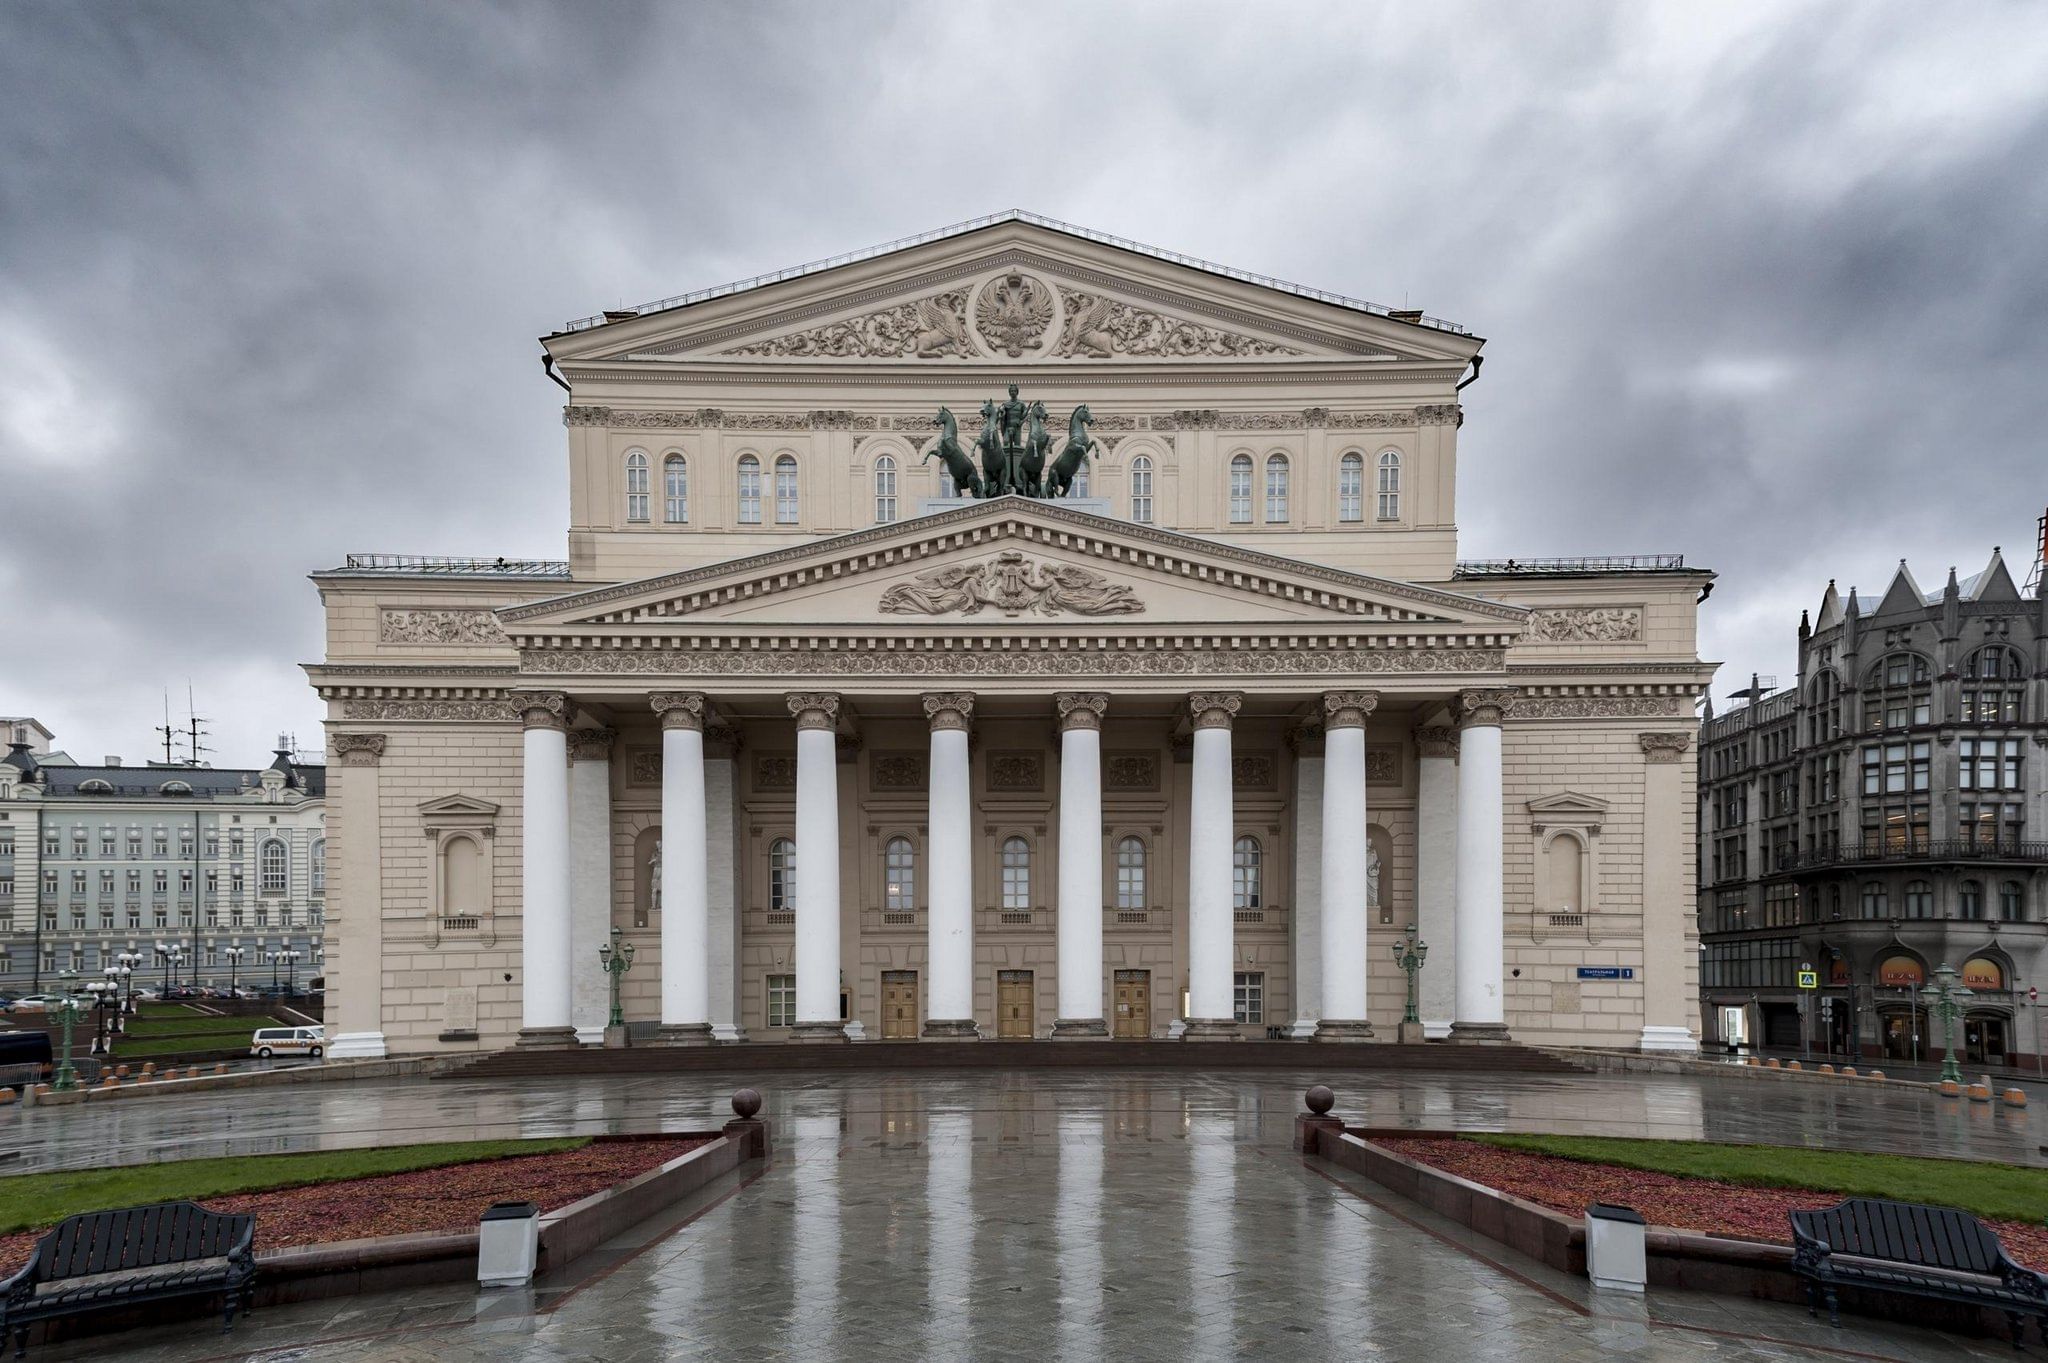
(757, 1057)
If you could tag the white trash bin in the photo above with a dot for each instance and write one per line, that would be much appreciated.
(1616, 1258)
(508, 1244)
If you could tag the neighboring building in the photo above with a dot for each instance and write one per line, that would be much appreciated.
(1884, 816)
(100, 861)
(841, 752)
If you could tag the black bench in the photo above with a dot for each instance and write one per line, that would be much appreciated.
(1935, 1253)
(101, 1260)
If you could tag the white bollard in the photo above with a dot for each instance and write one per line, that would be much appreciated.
(508, 1244)
(1615, 1255)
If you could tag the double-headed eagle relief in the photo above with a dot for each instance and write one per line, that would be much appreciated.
(1015, 450)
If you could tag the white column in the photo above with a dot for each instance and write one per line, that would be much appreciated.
(1481, 1003)
(721, 870)
(685, 884)
(590, 880)
(1212, 831)
(1344, 866)
(1436, 876)
(817, 867)
(1666, 992)
(1305, 926)
(545, 940)
(355, 902)
(949, 955)
(1080, 904)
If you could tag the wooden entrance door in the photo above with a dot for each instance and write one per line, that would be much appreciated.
(1014, 1011)
(1133, 1005)
(899, 1005)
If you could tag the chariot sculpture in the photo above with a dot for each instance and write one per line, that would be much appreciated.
(1015, 450)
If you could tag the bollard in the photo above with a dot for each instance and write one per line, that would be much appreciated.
(1949, 1088)
(1827, 1069)
(1877, 1074)
(1772, 1064)
(1794, 1065)
(508, 1244)
(1311, 1126)
(6, 1097)
(2014, 1097)
(120, 1071)
(1980, 1092)
(1849, 1070)
(1616, 1256)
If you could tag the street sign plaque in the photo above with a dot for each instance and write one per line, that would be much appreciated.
(1809, 979)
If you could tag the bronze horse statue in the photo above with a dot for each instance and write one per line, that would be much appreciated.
(999, 473)
(1036, 443)
(958, 466)
(1059, 479)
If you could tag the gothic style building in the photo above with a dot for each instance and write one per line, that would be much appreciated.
(852, 728)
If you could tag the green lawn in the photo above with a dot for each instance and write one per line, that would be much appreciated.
(197, 1024)
(31, 1201)
(2006, 1191)
(162, 1050)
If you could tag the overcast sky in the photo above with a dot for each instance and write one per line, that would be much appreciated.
(1763, 286)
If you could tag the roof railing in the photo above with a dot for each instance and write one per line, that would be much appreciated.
(441, 565)
(1538, 567)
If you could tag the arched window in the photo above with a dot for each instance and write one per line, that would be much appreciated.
(1016, 875)
(885, 489)
(273, 867)
(675, 487)
(319, 861)
(1130, 875)
(2012, 901)
(1241, 489)
(1141, 489)
(782, 876)
(1898, 691)
(1994, 686)
(636, 487)
(785, 489)
(750, 490)
(1276, 489)
(1919, 899)
(1351, 487)
(1970, 899)
(1390, 485)
(1876, 904)
(1246, 891)
(899, 876)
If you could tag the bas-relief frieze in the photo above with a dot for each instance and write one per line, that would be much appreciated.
(643, 767)
(1596, 707)
(897, 771)
(925, 328)
(1192, 419)
(492, 711)
(405, 625)
(1586, 624)
(1130, 771)
(775, 771)
(1253, 771)
(1101, 328)
(1012, 584)
(1106, 662)
(1382, 767)
(1016, 772)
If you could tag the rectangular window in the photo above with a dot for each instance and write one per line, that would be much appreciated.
(134, 842)
(160, 842)
(1248, 997)
(106, 842)
(782, 1000)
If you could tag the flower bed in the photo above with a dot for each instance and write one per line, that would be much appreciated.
(450, 1197)
(1699, 1204)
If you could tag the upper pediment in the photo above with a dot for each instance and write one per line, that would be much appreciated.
(1015, 290)
(1013, 563)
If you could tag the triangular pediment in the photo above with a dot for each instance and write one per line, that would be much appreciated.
(1567, 804)
(1014, 290)
(447, 805)
(1012, 563)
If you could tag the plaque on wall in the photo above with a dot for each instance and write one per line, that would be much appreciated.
(897, 771)
(1016, 772)
(1130, 771)
(775, 771)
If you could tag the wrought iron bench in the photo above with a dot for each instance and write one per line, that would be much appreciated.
(1935, 1253)
(100, 1260)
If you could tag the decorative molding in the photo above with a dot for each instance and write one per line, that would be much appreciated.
(897, 771)
(775, 771)
(1214, 709)
(1383, 766)
(359, 750)
(1012, 584)
(418, 625)
(430, 710)
(1120, 662)
(1102, 328)
(540, 709)
(1485, 707)
(643, 766)
(923, 328)
(1016, 772)
(1081, 709)
(591, 745)
(1586, 624)
(949, 710)
(1664, 747)
(1440, 414)
(1348, 709)
(1600, 707)
(814, 709)
(1130, 771)
(1012, 312)
(1253, 771)
(1437, 740)
(679, 709)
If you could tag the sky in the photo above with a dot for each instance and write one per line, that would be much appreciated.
(1761, 285)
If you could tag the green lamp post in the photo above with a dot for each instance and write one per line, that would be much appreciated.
(1943, 1003)
(1409, 954)
(618, 959)
(66, 1077)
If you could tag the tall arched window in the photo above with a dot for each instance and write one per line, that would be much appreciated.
(1276, 488)
(785, 489)
(2012, 901)
(899, 876)
(1130, 875)
(1016, 875)
(462, 879)
(1566, 865)
(1876, 903)
(1246, 891)
(1919, 899)
(1351, 487)
(1994, 686)
(885, 489)
(636, 487)
(782, 876)
(319, 863)
(1390, 485)
(1970, 899)
(675, 488)
(1241, 489)
(1141, 489)
(750, 490)
(1824, 708)
(273, 867)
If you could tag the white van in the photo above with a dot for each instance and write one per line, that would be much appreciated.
(270, 1041)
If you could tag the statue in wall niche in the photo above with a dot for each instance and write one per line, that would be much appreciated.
(1372, 877)
(654, 877)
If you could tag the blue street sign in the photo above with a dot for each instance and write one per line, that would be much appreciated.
(1607, 972)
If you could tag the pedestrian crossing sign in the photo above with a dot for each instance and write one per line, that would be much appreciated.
(1809, 979)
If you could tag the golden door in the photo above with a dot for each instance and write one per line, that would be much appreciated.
(1014, 1011)
(1133, 1005)
(899, 1005)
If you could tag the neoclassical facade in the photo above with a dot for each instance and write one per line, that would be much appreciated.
(847, 752)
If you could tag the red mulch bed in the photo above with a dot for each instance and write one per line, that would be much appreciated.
(449, 1198)
(1699, 1204)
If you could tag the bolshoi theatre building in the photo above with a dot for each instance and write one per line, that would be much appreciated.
(1011, 632)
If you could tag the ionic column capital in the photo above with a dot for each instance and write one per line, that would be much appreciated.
(949, 710)
(679, 709)
(1664, 747)
(359, 750)
(1214, 709)
(1348, 709)
(1485, 709)
(814, 709)
(591, 745)
(540, 709)
(1081, 709)
(1437, 740)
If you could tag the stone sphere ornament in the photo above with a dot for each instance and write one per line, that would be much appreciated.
(1320, 1099)
(746, 1103)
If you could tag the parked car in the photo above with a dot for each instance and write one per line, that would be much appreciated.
(26, 1048)
(44, 1003)
(275, 1041)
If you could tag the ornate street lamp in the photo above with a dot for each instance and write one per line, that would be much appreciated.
(117, 980)
(130, 962)
(1942, 1003)
(1409, 954)
(66, 1077)
(617, 957)
(234, 955)
(290, 957)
